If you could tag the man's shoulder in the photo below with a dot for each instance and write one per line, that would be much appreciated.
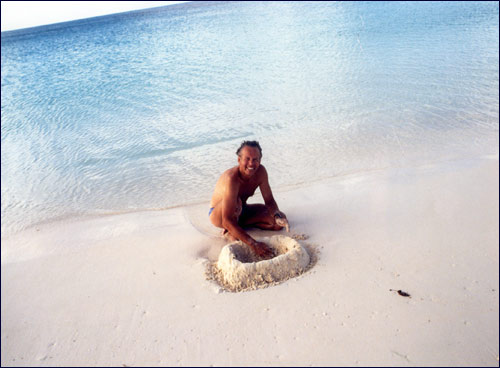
(231, 175)
(262, 173)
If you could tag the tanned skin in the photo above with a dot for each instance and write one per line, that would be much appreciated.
(231, 211)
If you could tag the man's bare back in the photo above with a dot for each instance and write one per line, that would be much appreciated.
(229, 209)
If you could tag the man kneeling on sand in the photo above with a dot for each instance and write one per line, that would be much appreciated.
(229, 209)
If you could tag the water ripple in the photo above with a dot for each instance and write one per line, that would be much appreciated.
(146, 109)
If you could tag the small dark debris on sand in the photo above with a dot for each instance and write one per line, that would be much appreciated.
(402, 293)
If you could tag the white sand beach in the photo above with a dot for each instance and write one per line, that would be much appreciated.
(130, 289)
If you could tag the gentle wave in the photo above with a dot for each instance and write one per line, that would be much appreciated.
(145, 110)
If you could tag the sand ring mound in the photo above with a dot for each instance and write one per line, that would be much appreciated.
(241, 268)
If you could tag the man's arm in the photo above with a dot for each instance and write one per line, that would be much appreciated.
(267, 194)
(265, 189)
(230, 221)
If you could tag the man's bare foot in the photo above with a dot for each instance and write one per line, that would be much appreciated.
(226, 234)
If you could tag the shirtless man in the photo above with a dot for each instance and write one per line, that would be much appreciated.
(229, 209)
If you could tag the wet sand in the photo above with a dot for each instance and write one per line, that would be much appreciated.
(130, 289)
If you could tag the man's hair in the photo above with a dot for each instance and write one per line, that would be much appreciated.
(254, 144)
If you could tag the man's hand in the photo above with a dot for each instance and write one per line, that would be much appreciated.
(263, 250)
(281, 220)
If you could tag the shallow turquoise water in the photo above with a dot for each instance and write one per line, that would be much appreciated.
(144, 110)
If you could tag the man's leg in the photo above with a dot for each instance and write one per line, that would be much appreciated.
(216, 218)
(257, 215)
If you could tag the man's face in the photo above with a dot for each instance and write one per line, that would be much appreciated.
(249, 160)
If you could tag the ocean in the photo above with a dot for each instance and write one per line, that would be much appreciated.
(144, 110)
